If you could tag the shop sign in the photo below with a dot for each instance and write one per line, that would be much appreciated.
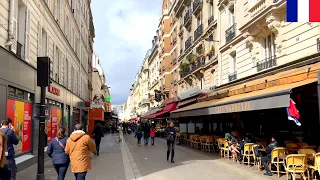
(54, 90)
(236, 107)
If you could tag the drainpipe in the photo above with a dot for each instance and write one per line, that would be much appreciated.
(10, 23)
(219, 55)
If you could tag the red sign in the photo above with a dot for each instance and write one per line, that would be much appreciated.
(26, 140)
(54, 90)
(54, 125)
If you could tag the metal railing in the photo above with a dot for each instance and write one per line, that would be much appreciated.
(232, 76)
(210, 20)
(187, 16)
(192, 67)
(196, 4)
(198, 32)
(188, 43)
(181, 50)
(230, 33)
(266, 63)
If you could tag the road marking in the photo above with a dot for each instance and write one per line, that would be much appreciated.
(130, 167)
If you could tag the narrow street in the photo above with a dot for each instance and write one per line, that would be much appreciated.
(127, 161)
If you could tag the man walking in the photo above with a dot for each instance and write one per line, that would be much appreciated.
(170, 133)
(78, 148)
(11, 140)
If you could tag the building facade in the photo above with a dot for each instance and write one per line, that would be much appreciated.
(62, 31)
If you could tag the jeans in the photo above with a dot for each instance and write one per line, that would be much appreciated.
(5, 173)
(146, 140)
(80, 176)
(264, 161)
(61, 169)
(12, 167)
(170, 146)
(152, 140)
(97, 142)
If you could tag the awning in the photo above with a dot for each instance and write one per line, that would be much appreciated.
(168, 108)
(269, 98)
(151, 111)
(185, 102)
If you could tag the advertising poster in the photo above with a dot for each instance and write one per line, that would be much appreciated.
(20, 113)
(49, 127)
(59, 118)
(67, 121)
(54, 125)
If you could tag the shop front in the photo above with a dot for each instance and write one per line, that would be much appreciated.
(260, 107)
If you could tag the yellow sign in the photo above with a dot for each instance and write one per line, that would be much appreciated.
(236, 107)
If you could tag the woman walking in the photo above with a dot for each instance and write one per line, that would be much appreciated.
(98, 134)
(60, 159)
(171, 137)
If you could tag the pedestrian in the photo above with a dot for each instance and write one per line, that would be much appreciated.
(5, 174)
(152, 134)
(170, 133)
(146, 133)
(139, 135)
(56, 150)
(11, 140)
(266, 158)
(98, 134)
(78, 147)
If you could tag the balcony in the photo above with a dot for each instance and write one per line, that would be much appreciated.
(197, 6)
(174, 40)
(232, 76)
(210, 20)
(188, 43)
(200, 62)
(181, 51)
(198, 32)
(230, 33)
(187, 18)
(266, 63)
(318, 44)
(260, 5)
(174, 61)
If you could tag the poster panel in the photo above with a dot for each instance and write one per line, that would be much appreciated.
(54, 126)
(26, 140)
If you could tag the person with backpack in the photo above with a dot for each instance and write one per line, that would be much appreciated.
(170, 133)
(60, 159)
(11, 140)
(5, 174)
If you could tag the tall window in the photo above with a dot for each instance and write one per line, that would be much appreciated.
(268, 47)
(67, 27)
(56, 64)
(44, 43)
(199, 19)
(231, 15)
(213, 78)
(66, 66)
(211, 10)
(233, 64)
(57, 10)
(62, 69)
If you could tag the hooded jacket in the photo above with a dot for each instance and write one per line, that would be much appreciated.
(78, 148)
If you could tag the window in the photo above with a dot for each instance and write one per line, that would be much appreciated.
(57, 10)
(67, 27)
(211, 8)
(61, 69)
(199, 19)
(44, 44)
(231, 16)
(66, 78)
(233, 64)
(213, 78)
(268, 47)
(56, 63)
(253, 2)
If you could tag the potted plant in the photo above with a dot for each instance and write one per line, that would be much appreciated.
(192, 58)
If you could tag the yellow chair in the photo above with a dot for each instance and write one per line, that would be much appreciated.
(226, 150)
(316, 166)
(248, 153)
(276, 160)
(209, 145)
(203, 140)
(297, 164)
(257, 160)
(220, 142)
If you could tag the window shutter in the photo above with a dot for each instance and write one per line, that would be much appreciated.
(15, 28)
(39, 39)
(27, 36)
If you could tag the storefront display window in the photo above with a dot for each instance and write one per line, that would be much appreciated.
(19, 109)
(55, 120)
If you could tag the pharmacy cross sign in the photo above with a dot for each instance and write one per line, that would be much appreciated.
(108, 99)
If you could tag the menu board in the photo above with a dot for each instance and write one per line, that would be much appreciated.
(20, 113)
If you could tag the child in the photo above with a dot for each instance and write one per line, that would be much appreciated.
(152, 134)
(139, 136)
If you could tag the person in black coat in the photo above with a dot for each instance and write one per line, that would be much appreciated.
(98, 134)
(60, 159)
(267, 158)
(146, 133)
(170, 133)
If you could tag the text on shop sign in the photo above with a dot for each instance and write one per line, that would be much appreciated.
(54, 90)
(236, 107)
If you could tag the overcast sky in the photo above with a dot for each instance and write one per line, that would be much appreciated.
(124, 30)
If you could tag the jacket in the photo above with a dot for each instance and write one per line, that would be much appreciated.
(97, 132)
(153, 133)
(3, 147)
(56, 152)
(78, 148)
(270, 147)
(170, 131)
(146, 131)
(11, 140)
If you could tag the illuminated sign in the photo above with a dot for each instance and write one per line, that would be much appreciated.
(54, 90)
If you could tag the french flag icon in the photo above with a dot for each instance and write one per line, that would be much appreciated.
(303, 10)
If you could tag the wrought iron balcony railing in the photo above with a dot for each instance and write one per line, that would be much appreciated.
(192, 67)
(230, 33)
(188, 43)
(232, 76)
(197, 4)
(198, 32)
(266, 63)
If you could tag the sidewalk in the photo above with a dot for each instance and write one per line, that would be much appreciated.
(109, 165)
